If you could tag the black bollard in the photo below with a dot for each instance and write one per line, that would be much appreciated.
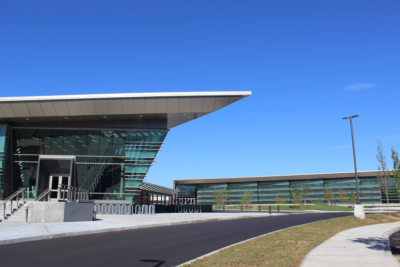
(270, 209)
(241, 208)
(278, 209)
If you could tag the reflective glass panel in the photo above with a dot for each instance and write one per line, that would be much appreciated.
(94, 142)
(58, 142)
(119, 143)
(32, 141)
(81, 142)
(69, 142)
(20, 135)
(106, 144)
(45, 142)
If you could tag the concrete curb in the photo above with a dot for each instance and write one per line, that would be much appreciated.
(116, 229)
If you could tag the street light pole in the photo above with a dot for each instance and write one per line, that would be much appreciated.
(354, 152)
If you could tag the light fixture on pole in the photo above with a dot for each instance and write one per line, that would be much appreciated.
(354, 152)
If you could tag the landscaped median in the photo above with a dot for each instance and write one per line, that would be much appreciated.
(287, 247)
(286, 207)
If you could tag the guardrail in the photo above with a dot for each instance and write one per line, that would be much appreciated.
(124, 209)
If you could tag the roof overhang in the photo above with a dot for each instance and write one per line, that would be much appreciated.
(133, 110)
(157, 189)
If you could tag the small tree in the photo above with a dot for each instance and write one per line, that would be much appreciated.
(335, 196)
(328, 195)
(396, 170)
(280, 200)
(384, 178)
(297, 193)
(246, 198)
(396, 164)
(353, 199)
(220, 196)
(342, 196)
(317, 201)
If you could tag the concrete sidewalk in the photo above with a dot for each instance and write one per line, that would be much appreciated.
(362, 246)
(22, 232)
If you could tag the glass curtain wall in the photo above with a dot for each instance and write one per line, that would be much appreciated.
(392, 194)
(205, 192)
(4, 184)
(110, 164)
(237, 191)
(270, 190)
(266, 192)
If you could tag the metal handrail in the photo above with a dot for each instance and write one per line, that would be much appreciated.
(42, 195)
(10, 198)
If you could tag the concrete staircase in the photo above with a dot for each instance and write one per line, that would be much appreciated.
(18, 214)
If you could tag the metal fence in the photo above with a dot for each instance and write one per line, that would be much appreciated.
(124, 209)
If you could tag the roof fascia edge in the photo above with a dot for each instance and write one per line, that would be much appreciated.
(125, 95)
(312, 176)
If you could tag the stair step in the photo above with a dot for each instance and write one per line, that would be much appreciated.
(18, 214)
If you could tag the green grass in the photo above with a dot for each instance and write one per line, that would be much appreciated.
(290, 207)
(287, 247)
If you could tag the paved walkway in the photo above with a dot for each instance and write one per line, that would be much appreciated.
(362, 246)
(22, 232)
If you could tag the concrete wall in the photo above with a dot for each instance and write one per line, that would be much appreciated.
(60, 212)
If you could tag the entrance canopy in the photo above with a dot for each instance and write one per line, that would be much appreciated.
(53, 166)
(133, 110)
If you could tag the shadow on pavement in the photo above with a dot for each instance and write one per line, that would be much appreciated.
(158, 263)
(374, 243)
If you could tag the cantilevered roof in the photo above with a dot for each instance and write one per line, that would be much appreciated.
(133, 110)
(291, 177)
(157, 189)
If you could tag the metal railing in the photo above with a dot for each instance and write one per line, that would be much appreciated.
(39, 198)
(71, 193)
(259, 207)
(188, 208)
(186, 200)
(10, 198)
(124, 209)
(42, 196)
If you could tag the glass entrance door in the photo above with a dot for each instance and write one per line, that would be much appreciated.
(55, 182)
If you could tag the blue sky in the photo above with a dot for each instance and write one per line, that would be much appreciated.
(308, 64)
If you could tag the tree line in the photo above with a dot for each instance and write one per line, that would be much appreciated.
(388, 178)
(297, 195)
